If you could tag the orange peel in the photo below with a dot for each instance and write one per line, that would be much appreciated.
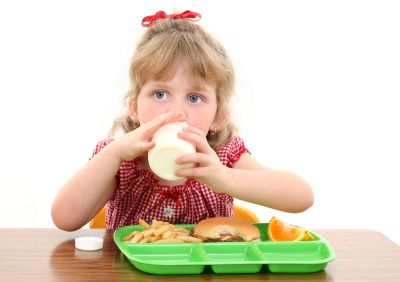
(279, 230)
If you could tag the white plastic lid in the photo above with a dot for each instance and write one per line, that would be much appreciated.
(89, 243)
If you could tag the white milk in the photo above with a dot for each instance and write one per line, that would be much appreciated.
(167, 149)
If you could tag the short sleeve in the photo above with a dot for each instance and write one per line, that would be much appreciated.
(100, 145)
(125, 172)
(231, 151)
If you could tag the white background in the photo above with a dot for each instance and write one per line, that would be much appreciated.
(316, 94)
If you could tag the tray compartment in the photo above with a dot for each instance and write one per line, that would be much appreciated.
(167, 258)
(295, 257)
(233, 257)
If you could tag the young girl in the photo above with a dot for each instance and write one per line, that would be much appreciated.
(178, 73)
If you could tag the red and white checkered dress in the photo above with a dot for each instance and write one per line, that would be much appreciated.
(139, 195)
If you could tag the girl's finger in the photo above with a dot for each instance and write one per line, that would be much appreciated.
(166, 118)
(194, 172)
(152, 126)
(200, 142)
(145, 146)
(193, 130)
(197, 158)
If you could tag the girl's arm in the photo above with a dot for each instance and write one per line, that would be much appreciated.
(95, 183)
(85, 193)
(247, 180)
(277, 189)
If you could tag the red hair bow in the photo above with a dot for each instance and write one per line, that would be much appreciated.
(187, 15)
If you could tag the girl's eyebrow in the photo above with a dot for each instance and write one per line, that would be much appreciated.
(165, 84)
(157, 83)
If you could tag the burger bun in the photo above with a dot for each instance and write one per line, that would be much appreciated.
(226, 229)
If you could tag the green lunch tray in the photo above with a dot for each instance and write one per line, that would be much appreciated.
(226, 257)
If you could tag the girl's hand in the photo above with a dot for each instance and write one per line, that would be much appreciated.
(208, 169)
(137, 142)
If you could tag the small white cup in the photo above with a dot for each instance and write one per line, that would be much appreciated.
(167, 149)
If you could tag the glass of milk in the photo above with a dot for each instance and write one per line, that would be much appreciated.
(167, 149)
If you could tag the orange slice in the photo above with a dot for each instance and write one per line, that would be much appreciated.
(281, 231)
(308, 236)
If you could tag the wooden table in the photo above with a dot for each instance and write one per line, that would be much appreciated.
(50, 255)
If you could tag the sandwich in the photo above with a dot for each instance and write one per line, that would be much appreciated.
(225, 229)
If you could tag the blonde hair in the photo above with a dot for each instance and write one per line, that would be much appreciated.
(162, 47)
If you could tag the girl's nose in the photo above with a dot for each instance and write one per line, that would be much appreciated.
(177, 109)
(182, 113)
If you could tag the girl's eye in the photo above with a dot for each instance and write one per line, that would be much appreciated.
(160, 95)
(195, 99)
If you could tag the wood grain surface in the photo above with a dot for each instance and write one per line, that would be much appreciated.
(50, 255)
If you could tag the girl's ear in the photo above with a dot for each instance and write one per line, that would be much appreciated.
(219, 121)
(133, 114)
